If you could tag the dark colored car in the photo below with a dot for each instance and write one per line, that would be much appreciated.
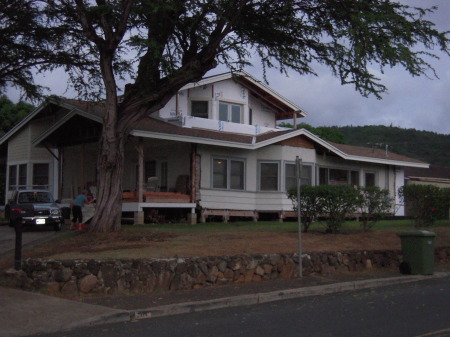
(34, 208)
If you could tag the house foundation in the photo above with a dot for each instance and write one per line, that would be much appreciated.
(138, 218)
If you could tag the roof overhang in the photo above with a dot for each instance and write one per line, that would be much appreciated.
(72, 113)
(284, 107)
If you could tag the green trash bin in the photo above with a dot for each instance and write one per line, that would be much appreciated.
(418, 252)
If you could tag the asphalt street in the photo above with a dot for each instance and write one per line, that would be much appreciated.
(410, 310)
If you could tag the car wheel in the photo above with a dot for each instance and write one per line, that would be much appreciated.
(57, 227)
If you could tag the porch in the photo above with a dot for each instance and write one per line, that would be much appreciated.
(152, 202)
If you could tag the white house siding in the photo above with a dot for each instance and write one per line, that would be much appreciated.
(223, 91)
(20, 151)
(250, 198)
(262, 115)
(19, 146)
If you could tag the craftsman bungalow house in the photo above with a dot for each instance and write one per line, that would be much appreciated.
(214, 149)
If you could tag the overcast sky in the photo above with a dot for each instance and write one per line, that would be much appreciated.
(411, 102)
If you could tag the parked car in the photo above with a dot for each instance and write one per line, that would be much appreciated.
(34, 208)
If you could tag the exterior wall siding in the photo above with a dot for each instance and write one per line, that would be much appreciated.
(224, 91)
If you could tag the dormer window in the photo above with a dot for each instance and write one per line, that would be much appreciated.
(199, 109)
(229, 112)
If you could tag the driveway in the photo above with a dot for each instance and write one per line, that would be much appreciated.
(29, 238)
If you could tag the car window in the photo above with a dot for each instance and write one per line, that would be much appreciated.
(35, 197)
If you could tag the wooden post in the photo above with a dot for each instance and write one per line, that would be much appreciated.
(140, 150)
(193, 172)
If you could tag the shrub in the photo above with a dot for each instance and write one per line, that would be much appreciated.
(338, 201)
(425, 203)
(373, 203)
(310, 204)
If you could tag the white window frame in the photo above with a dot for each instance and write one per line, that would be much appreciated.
(311, 178)
(229, 111)
(260, 162)
(200, 100)
(228, 160)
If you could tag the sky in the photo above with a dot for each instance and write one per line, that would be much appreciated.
(411, 102)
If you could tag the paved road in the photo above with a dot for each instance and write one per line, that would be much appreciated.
(417, 309)
(29, 237)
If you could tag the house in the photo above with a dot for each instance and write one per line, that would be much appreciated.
(434, 175)
(213, 150)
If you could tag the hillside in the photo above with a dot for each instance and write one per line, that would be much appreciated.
(427, 146)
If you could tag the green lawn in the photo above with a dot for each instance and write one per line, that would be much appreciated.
(276, 226)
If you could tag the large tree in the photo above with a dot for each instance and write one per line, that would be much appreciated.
(174, 42)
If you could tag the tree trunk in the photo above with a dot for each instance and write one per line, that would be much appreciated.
(110, 165)
(110, 161)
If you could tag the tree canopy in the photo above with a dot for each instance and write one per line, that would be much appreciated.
(161, 45)
(11, 114)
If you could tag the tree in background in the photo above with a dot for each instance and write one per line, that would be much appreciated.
(331, 134)
(10, 114)
(175, 42)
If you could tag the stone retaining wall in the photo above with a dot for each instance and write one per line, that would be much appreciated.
(74, 277)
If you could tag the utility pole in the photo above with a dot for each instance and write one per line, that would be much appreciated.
(298, 175)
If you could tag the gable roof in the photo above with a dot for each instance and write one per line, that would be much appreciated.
(285, 107)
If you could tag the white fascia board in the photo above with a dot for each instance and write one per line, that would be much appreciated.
(208, 80)
(360, 158)
(207, 141)
(268, 89)
(24, 121)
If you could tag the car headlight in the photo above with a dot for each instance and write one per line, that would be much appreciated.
(55, 212)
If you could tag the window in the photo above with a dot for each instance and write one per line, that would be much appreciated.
(369, 178)
(40, 175)
(290, 177)
(268, 176)
(12, 177)
(354, 178)
(17, 177)
(199, 109)
(164, 172)
(236, 174)
(330, 176)
(338, 177)
(230, 112)
(22, 176)
(323, 176)
(228, 173)
(149, 169)
(220, 173)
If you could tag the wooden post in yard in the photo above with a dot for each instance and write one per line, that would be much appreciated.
(298, 175)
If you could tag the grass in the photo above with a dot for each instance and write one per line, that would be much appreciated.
(215, 239)
(275, 226)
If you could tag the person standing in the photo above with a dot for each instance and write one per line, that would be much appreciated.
(77, 209)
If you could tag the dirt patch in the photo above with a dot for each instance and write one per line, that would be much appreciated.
(157, 243)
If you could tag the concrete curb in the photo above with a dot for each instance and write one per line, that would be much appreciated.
(235, 301)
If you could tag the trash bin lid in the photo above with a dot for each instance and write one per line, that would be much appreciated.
(417, 233)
